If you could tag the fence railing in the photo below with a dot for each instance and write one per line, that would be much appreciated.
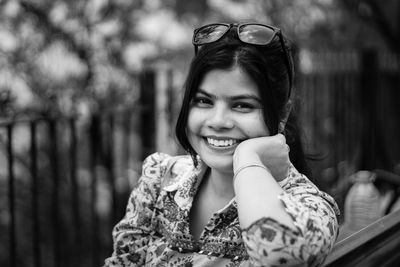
(375, 245)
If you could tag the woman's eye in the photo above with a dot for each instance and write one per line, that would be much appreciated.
(244, 107)
(202, 101)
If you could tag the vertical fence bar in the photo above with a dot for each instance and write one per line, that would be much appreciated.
(75, 211)
(367, 90)
(346, 119)
(94, 141)
(110, 167)
(35, 202)
(337, 115)
(356, 133)
(314, 103)
(126, 124)
(11, 196)
(148, 116)
(55, 196)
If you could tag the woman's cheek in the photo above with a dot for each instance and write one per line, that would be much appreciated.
(255, 126)
(195, 119)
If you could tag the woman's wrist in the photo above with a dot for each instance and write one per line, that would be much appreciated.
(246, 160)
(244, 156)
(243, 167)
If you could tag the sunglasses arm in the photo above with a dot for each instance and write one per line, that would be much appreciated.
(289, 64)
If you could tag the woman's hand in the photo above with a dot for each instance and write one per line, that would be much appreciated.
(271, 151)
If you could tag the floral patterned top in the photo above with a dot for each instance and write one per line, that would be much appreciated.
(155, 229)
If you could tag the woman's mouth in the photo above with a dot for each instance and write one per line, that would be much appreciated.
(221, 143)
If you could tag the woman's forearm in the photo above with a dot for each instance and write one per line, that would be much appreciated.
(257, 193)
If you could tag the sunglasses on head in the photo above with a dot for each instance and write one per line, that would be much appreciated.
(249, 33)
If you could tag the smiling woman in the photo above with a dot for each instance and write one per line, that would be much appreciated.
(241, 197)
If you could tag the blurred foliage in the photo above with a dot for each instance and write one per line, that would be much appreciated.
(70, 56)
(64, 53)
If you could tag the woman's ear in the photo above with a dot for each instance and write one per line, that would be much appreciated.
(285, 116)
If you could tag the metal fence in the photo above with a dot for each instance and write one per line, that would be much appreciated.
(65, 185)
(349, 115)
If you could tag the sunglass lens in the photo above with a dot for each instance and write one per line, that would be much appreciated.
(256, 34)
(209, 34)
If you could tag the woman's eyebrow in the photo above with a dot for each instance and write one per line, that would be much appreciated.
(201, 91)
(246, 96)
(232, 98)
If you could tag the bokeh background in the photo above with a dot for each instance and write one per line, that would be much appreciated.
(88, 88)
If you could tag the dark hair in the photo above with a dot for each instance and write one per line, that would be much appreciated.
(268, 68)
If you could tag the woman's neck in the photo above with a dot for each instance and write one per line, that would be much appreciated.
(220, 184)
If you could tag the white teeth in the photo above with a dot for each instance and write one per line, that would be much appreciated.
(221, 143)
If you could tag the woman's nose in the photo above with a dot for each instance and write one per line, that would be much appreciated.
(220, 118)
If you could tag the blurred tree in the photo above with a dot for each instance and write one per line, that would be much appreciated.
(383, 16)
(66, 52)
(78, 55)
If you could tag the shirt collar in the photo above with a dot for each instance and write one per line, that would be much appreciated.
(183, 180)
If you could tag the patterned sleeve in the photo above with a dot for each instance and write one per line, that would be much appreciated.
(132, 234)
(269, 243)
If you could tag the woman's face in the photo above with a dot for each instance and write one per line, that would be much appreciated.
(226, 110)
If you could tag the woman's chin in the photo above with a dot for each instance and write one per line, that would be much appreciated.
(220, 164)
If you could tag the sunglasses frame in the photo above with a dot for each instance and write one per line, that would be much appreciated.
(276, 31)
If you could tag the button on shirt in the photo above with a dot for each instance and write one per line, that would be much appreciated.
(155, 229)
